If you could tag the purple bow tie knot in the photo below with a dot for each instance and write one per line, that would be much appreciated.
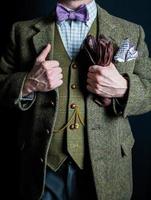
(81, 14)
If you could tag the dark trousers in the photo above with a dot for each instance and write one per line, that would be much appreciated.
(69, 183)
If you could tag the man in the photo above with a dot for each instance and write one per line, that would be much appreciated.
(71, 145)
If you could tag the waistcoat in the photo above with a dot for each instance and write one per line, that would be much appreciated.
(68, 136)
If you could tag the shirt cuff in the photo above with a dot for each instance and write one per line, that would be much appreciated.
(29, 97)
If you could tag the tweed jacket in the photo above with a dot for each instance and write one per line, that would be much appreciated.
(110, 138)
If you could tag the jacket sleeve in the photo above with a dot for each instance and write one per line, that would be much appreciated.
(139, 92)
(12, 79)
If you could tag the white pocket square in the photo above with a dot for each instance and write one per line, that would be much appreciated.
(126, 52)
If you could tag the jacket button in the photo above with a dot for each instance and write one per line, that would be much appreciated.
(73, 86)
(47, 131)
(120, 112)
(22, 146)
(41, 160)
(52, 103)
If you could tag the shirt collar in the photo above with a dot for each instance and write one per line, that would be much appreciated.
(92, 11)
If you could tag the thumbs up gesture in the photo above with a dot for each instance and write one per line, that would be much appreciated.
(46, 75)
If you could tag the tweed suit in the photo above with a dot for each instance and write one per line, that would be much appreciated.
(110, 138)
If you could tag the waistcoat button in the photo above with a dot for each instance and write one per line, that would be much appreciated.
(73, 106)
(74, 66)
(72, 126)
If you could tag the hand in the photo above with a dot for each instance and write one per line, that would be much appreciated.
(106, 81)
(46, 75)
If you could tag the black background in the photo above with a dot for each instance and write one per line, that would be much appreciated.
(135, 11)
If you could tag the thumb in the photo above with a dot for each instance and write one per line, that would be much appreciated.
(43, 55)
(94, 68)
(112, 65)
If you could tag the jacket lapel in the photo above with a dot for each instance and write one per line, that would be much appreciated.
(45, 34)
(105, 24)
(97, 120)
(110, 29)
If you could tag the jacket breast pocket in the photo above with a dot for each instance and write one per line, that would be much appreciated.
(125, 67)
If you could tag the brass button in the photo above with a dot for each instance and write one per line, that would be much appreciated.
(73, 106)
(76, 126)
(73, 86)
(72, 126)
(74, 66)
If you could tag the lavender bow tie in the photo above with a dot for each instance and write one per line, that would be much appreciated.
(81, 14)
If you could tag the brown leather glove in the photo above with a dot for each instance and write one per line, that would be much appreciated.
(100, 51)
